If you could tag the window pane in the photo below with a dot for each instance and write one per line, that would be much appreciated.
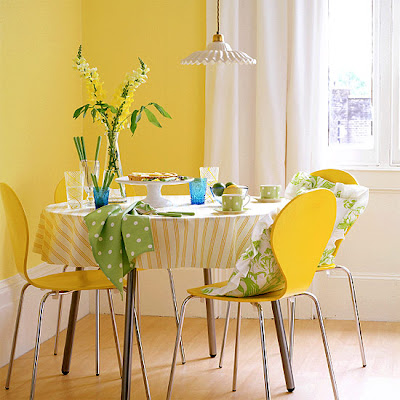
(350, 73)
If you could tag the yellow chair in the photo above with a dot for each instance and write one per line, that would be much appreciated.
(56, 284)
(298, 238)
(332, 175)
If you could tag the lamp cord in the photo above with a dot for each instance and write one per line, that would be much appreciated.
(217, 16)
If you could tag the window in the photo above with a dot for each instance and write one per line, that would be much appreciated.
(363, 85)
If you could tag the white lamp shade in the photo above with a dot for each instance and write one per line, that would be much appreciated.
(218, 52)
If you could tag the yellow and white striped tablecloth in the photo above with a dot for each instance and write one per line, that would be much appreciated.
(207, 240)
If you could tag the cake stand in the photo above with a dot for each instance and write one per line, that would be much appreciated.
(154, 197)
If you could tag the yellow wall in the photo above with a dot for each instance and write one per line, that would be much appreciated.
(161, 33)
(39, 90)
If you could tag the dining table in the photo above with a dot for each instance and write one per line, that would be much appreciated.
(209, 239)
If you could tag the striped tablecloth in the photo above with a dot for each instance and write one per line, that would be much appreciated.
(207, 240)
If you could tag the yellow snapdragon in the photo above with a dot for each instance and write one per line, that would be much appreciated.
(124, 94)
(92, 79)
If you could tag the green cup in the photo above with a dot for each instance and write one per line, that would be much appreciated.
(271, 192)
(234, 202)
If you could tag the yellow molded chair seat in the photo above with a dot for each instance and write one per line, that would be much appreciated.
(54, 283)
(270, 296)
(299, 236)
(76, 280)
(335, 176)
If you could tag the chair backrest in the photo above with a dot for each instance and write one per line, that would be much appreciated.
(335, 176)
(300, 234)
(60, 194)
(17, 227)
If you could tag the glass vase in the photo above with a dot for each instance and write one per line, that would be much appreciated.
(113, 163)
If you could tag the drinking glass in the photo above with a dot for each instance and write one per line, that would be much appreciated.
(89, 167)
(101, 197)
(211, 173)
(198, 190)
(74, 186)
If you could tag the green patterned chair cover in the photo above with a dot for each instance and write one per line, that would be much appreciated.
(256, 272)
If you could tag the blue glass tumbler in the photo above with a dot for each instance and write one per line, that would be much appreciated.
(100, 197)
(198, 190)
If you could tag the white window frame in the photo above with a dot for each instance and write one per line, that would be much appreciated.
(385, 95)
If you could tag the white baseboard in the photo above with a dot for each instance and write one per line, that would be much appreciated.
(378, 296)
(9, 297)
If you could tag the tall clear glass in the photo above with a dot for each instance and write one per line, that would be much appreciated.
(89, 167)
(74, 188)
(211, 173)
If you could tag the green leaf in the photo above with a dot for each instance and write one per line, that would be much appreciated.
(152, 118)
(113, 109)
(161, 110)
(93, 112)
(86, 108)
(134, 121)
(78, 112)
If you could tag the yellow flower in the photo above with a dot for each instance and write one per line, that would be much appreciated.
(92, 79)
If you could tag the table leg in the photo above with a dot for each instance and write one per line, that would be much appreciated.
(128, 338)
(280, 333)
(212, 341)
(131, 321)
(69, 340)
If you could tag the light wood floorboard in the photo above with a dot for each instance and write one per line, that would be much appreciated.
(201, 378)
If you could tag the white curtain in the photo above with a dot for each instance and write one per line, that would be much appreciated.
(266, 122)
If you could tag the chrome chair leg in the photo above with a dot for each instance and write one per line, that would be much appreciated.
(291, 304)
(228, 311)
(264, 350)
(141, 354)
(60, 301)
(177, 341)
(137, 301)
(97, 332)
(325, 341)
(356, 315)
(172, 284)
(115, 330)
(37, 346)
(14, 342)
(236, 362)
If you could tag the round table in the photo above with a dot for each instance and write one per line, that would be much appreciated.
(208, 239)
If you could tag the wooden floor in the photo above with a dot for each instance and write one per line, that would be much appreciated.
(201, 378)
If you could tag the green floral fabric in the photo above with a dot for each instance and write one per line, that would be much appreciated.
(117, 237)
(351, 201)
(256, 272)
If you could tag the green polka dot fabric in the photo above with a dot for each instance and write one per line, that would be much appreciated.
(117, 237)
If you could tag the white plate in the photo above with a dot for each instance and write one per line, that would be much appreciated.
(221, 211)
(260, 200)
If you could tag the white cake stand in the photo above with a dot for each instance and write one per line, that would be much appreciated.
(154, 197)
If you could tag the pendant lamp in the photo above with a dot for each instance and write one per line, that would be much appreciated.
(219, 52)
